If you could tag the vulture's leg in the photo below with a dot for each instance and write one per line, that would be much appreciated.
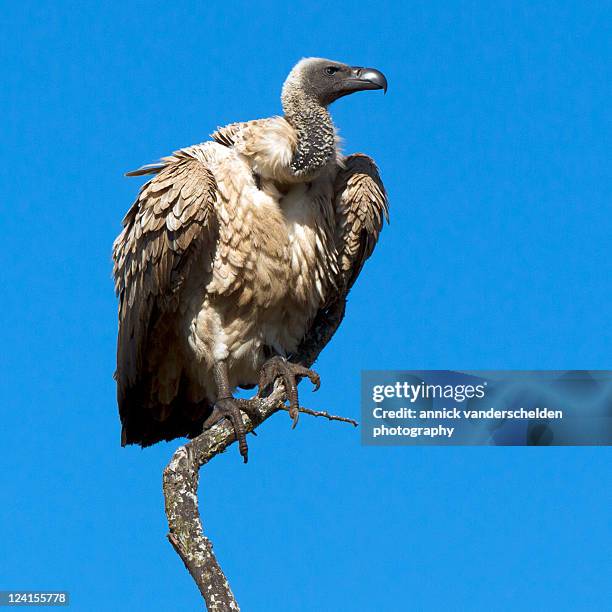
(290, 374)
(227, 406)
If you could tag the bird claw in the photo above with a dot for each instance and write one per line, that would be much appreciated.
(229, 408)
(288, 372)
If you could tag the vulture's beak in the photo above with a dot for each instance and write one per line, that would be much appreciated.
(365, 78)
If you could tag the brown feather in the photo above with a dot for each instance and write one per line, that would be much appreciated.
(151, 259)
(361, 201)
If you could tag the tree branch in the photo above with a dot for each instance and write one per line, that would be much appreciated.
(181, 476)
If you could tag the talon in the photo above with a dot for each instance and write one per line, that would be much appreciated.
(278, 367)
(229, 408)
(315, 379)
(294, 414)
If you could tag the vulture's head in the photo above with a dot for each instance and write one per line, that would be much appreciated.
(326, 81)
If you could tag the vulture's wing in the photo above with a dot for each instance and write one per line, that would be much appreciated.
(170, 223)
(361, 202)
(360, 205)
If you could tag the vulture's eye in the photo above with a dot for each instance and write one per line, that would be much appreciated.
(331, 70)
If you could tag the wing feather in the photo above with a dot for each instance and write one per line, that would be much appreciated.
(171, 221)
(361, 204)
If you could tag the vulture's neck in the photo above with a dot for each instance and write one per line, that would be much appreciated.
(316, 136)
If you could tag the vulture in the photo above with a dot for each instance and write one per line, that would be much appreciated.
(230, 252)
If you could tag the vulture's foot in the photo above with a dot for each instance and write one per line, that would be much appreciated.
(290, 374)
(229, 408)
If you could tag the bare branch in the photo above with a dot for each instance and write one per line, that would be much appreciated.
(318, 413)
(181, 476)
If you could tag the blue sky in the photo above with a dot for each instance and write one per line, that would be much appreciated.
(494, 144)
